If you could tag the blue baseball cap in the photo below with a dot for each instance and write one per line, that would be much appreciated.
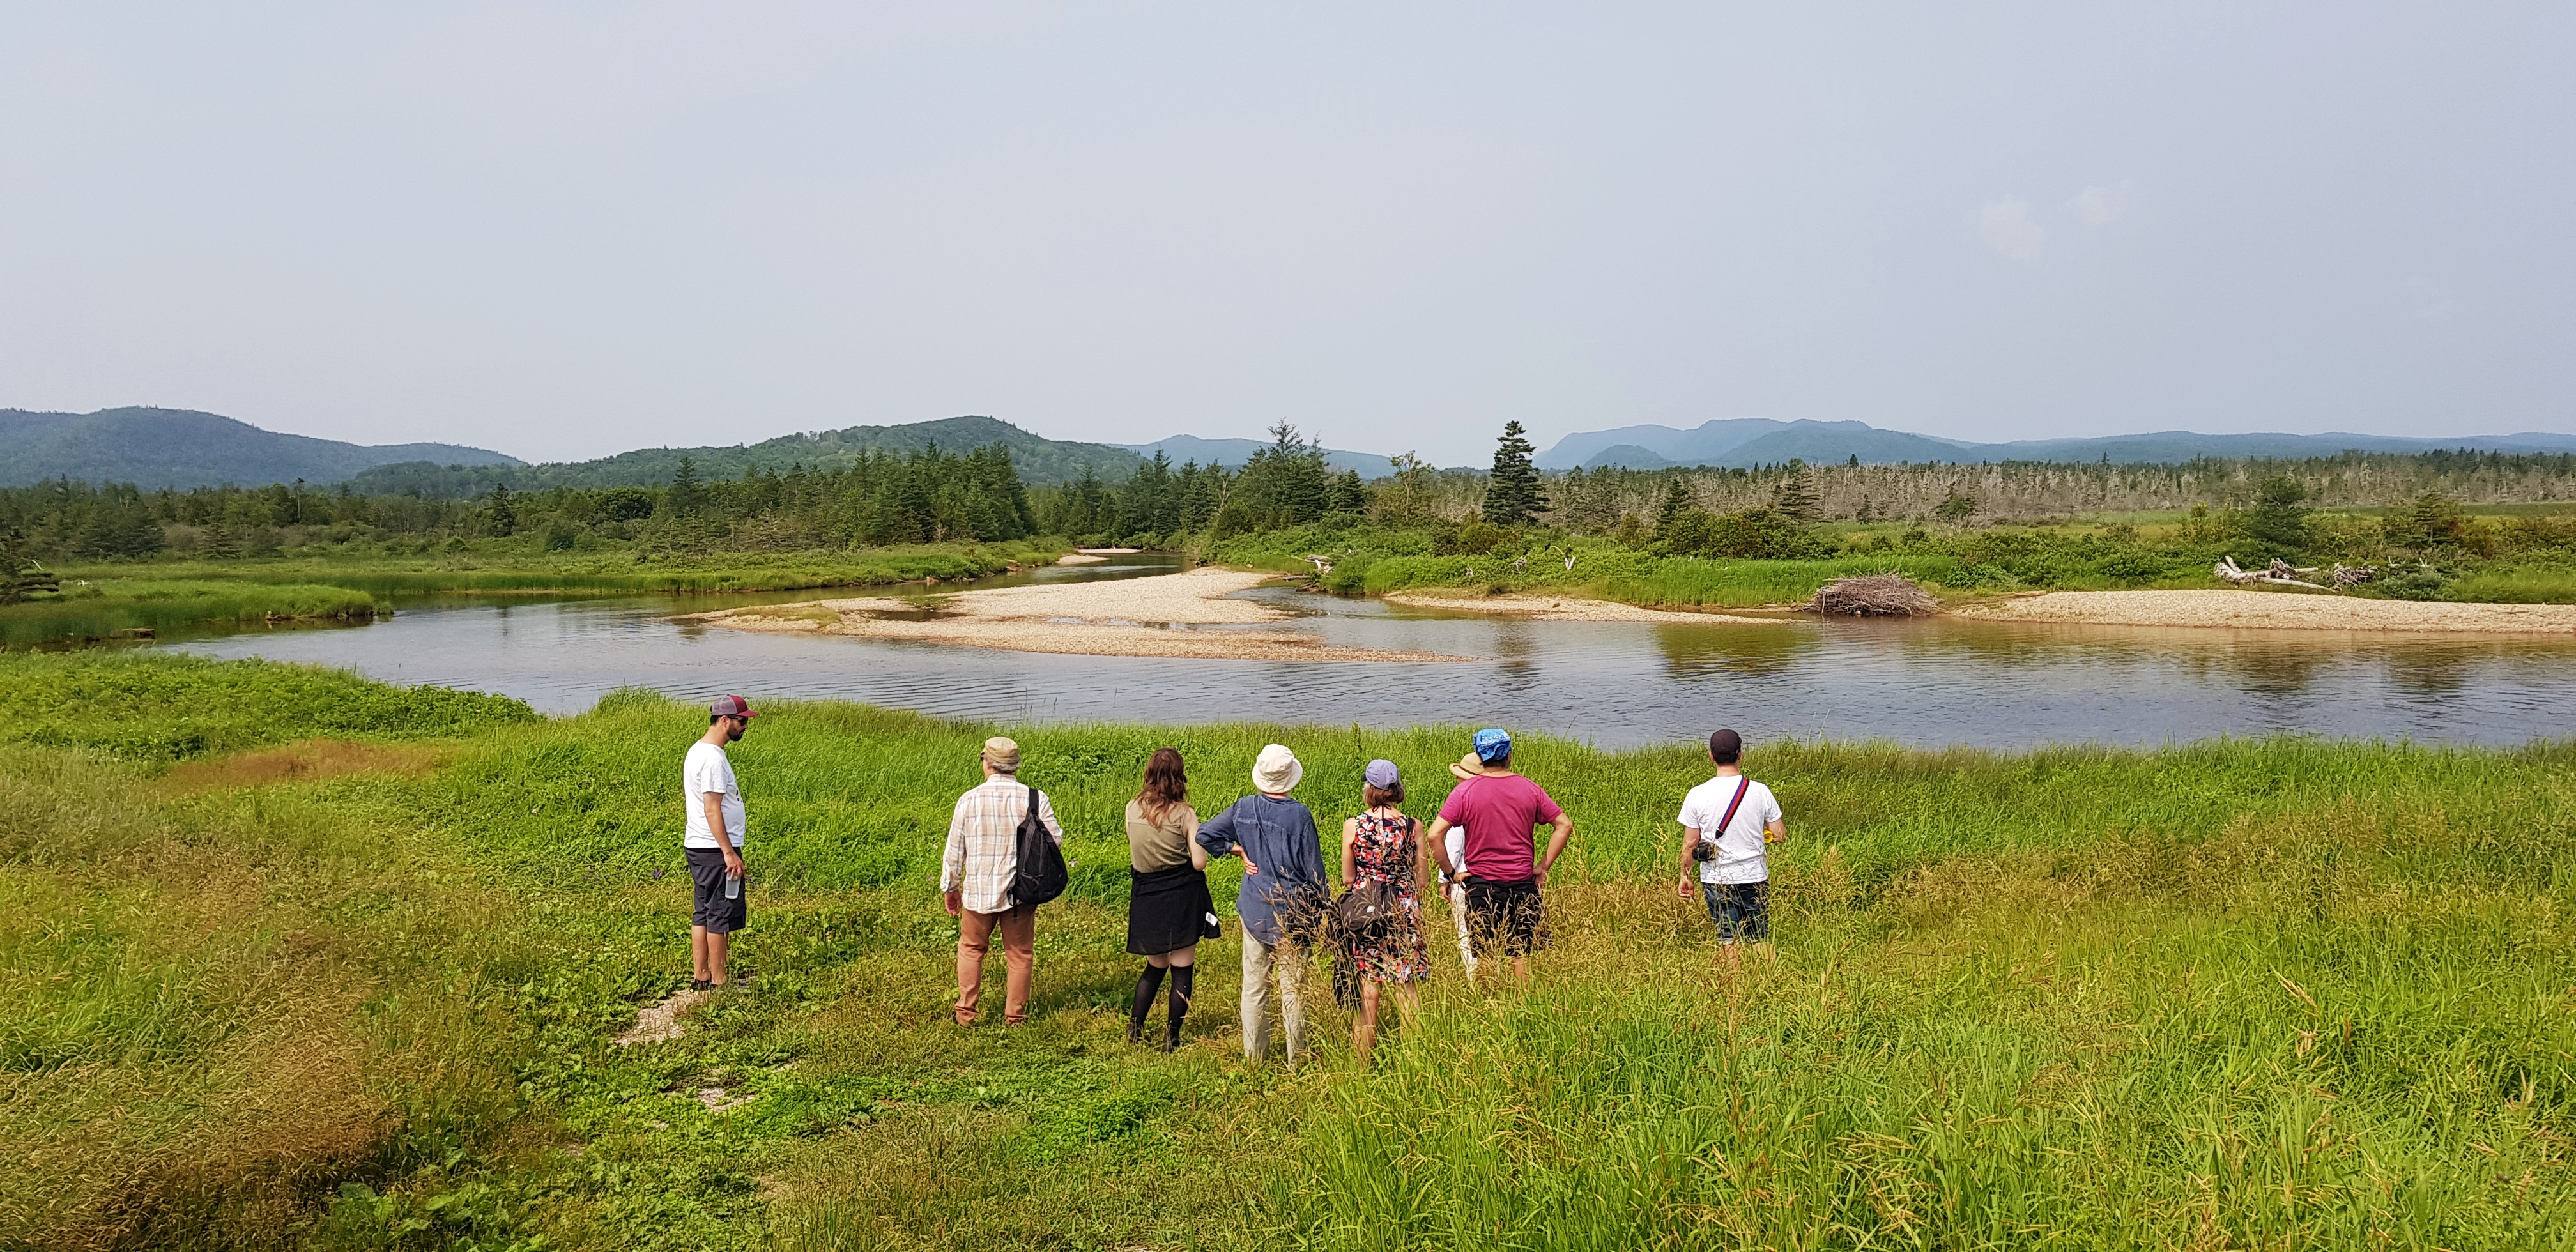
(1492, 745)
(1382, 774)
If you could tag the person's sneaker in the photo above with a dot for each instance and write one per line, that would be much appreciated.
(701, 984)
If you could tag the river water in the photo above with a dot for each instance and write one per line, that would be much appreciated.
(1924, 682)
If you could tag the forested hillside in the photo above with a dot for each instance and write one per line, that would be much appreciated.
(1038, 460)
(180, 448)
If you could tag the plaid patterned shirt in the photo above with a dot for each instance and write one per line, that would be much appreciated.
(983, 842)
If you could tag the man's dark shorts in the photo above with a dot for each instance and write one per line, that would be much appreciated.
(719, 915)
(1506, 915)
(1742, 910)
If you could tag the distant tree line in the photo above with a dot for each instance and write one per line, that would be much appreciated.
(1597, 501)
(876, 498)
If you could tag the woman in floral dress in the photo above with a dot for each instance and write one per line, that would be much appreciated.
(1382, 845)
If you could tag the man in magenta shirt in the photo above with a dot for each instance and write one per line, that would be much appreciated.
(1502, 811)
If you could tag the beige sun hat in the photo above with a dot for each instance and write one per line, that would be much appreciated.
(1277, 771)
(1467, 767)
(1002, 754)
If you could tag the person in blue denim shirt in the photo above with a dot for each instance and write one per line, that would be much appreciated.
(1283, 897)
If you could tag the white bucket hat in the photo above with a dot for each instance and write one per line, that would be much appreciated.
(1277, 771)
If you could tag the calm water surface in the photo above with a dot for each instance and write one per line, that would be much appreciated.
(1926, 682)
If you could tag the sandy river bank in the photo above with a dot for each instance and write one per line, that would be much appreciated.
(1155, 616)
(2246, 609)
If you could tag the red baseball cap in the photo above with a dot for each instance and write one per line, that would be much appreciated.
(731, 706)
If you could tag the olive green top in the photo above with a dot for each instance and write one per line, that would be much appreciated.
(1159, 845)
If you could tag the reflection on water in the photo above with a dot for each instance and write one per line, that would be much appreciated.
(1697, 652)
(1925, 682)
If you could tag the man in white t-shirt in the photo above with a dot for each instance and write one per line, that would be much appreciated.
(1728, 825)
(714, 842)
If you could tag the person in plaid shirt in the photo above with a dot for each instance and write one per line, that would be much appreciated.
(975, 876)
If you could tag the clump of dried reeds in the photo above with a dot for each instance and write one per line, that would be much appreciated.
(1872, 595)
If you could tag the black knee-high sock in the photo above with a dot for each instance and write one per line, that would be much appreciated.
(1147, 984)
(1182, 977)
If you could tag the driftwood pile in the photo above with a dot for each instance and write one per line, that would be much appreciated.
(2282, 573)
(2279, 572)
(1875, 595)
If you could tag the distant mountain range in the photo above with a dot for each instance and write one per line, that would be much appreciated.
(1746, 441)
(1232, 453)
(154, 448)
(1040, 460)
(180, 448)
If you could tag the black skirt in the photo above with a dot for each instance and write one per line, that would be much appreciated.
(1166, 909)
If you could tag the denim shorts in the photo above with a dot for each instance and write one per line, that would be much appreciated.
(1742, 910)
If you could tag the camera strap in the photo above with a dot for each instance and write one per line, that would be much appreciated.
(1742, 785)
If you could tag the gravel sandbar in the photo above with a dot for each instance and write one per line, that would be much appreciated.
(2268, 610)
(1128, 617)
(1562, 609)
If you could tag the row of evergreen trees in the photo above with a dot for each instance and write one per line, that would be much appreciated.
(925, 497)
(1287, 483)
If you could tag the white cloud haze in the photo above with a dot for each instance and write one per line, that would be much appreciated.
(2008, 229)
(567, 229)
(2098, 205)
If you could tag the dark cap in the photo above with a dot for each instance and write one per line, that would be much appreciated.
(731, 706)
(1726, 747)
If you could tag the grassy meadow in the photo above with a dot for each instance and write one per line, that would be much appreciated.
(296, 960)
(93, 610)
(165, 596)
(506, 565)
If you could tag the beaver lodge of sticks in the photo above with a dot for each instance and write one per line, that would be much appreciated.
(1873, 595)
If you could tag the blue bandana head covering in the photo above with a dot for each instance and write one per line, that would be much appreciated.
(1492, 745)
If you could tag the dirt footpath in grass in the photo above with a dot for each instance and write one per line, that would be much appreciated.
(1129, 617)
(2270, 610)
(1540, 608)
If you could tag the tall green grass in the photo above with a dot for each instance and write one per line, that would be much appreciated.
(161, 706)
(510, 569)
(1744, 584)
(2274, 993)
(126, 604)
(1616, 573)
(2515, 584)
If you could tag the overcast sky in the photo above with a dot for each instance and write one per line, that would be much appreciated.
(566, 230)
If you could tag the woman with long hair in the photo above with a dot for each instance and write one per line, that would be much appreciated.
(1382, 849)
(1168, 906)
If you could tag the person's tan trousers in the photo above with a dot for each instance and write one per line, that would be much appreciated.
(1260, 961)
(1019, 929)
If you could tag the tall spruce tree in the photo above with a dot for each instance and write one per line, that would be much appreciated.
(503, 511)
(686, 492)
(1795, 497)
(1677, 502)
(1513, 496)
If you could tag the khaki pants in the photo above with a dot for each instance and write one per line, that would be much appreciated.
(1019, 929)
(1259, 961)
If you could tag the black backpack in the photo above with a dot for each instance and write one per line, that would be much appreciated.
(1041, 875)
